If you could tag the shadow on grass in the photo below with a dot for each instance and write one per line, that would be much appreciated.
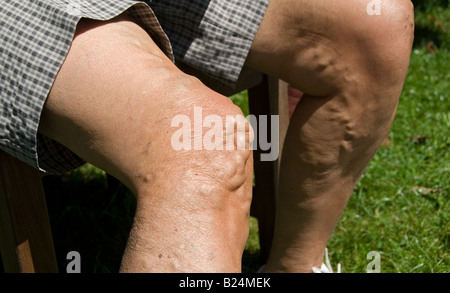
(432, 21)
(90, 213)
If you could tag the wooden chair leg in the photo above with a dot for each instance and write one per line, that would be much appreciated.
(267, 98)
(26, 242)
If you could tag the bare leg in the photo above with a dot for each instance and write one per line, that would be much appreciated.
(351, 67)
(112, 103)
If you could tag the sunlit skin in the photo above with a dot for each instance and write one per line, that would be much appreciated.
(115, 96)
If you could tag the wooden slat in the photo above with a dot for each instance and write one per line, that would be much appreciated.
(279, 105)
(26, 242)
(268, 98)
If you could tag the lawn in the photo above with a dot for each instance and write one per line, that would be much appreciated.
(400, 209)
(401, 206)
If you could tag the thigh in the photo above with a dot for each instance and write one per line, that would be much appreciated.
(114, 97)
(113, 103)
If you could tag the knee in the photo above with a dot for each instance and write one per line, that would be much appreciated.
(224, 144)
(398, 17)
(386, 39)
(375, 60)
(205, 146)
(394, 24)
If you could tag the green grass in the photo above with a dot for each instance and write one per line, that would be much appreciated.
(400, 208)
(90, 213)
(432, 23)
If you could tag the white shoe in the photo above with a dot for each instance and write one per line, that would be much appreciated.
(326, 268)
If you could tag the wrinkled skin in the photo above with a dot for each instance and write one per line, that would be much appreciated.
(115, 96)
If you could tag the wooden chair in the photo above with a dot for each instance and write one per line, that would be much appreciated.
(26, 243)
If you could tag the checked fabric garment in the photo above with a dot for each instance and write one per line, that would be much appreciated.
(213, 36)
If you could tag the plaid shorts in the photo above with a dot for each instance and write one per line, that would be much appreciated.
(213, 36)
